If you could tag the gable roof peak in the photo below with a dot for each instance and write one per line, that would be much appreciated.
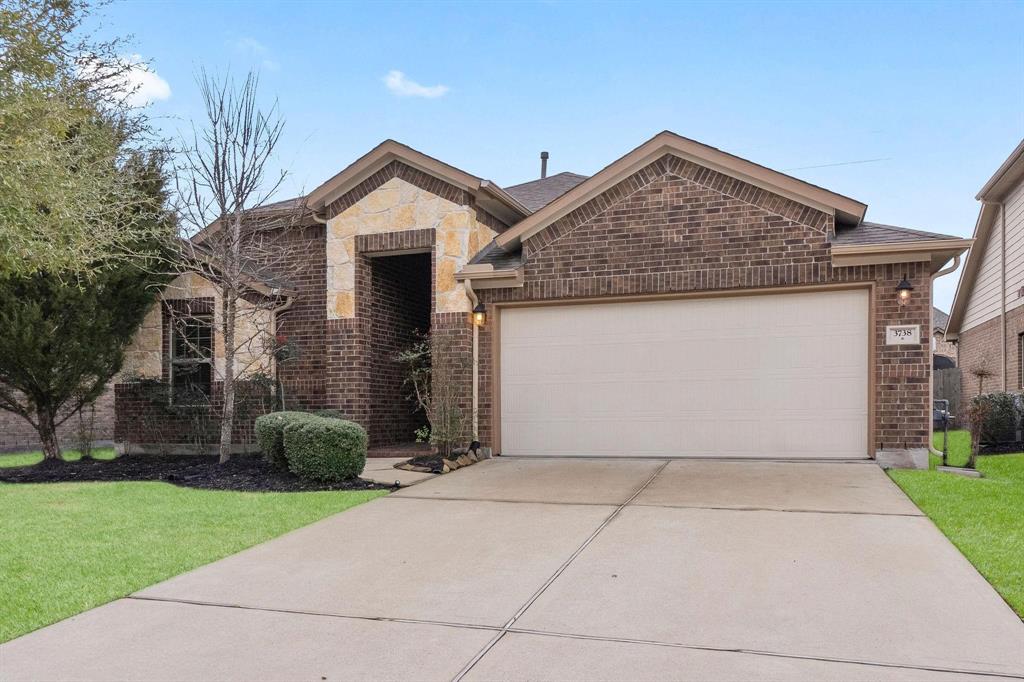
(845, 209)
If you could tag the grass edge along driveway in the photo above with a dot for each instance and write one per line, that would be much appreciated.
(68, 547)
(983, 517)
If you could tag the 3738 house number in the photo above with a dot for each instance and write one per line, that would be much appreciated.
(902, 335)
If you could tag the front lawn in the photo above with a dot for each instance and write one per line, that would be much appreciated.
(983, 517)
(67, 547)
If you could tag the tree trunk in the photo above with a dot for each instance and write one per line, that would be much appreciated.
(48, 433)
(228, 415)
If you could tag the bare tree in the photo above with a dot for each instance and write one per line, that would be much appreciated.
(233, 235)
(434, 369)
(982, 370)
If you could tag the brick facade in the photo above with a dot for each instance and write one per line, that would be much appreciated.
(17, 435)
(673, 229)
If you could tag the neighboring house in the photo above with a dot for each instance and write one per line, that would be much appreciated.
(681, 302)
(944, 351)
(987, 318)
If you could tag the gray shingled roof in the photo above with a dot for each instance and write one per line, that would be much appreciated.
(537, 194)
(939, 319)
(876, 233)
(492, 254)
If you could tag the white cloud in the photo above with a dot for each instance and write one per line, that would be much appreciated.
(145, 85)
(255, 48)
(399, 84)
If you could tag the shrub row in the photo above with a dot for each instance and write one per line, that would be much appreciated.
(1003, 421)
(313, 447)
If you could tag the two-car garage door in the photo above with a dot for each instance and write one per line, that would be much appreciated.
(750, 376)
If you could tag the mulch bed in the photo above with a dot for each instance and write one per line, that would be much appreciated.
(247, 473)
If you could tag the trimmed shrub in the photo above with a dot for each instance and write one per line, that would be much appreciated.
(325, 449)
(331, 414)
(269, 430)
(1002, 418)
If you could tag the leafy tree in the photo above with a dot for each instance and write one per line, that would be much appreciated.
(62, 338)
(68, 201)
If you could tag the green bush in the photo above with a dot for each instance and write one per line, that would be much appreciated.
(269, 431)
(332, 414)
(1003, 418)
(325, 449)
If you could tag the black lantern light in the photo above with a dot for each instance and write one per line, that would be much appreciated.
(903, 290)
(479, 315)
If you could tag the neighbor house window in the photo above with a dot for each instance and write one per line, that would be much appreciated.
(1020, 361)
(191, 358)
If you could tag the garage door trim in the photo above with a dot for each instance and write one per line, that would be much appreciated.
(869, 287)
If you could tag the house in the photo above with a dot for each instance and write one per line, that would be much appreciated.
(986, 321)
(680, 302)
(943, 351)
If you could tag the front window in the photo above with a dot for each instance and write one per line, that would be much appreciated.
(191, 358)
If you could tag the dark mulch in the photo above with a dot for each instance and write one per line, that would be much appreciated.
(242, 472)
(1001, 448)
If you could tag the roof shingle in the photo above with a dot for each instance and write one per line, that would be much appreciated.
(876, 233)
(537, 194)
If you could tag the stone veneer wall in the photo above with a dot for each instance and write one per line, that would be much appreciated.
(396, 209)
(674, 227)
(145, 356)
(395, 199)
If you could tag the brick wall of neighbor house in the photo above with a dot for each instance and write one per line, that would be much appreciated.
(17, 435)
(674, 227)
(979, 347)
(943, 347)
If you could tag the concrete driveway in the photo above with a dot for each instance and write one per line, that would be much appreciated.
(571, 569)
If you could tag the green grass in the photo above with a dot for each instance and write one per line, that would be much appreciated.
(67, 547)
(21, 459)
(983, 517)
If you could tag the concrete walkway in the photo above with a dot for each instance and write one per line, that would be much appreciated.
(571, 569)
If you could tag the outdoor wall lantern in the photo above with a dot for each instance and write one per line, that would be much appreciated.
(479, 315)
(903, 290)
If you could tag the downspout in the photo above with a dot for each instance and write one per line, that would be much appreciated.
(278, 386)
(931, 375)
(473, 300)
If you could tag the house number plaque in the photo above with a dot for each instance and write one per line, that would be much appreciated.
(902, 335)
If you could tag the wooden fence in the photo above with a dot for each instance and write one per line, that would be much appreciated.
(946, 386)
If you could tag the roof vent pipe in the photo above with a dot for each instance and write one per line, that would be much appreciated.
(543, 165)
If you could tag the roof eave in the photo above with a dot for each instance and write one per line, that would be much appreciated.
(485, 276)
(493, 198)
(1005, 178)
(936, 252)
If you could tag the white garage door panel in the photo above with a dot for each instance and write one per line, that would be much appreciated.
(756, 376)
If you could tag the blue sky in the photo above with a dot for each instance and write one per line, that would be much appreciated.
(931, 94)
